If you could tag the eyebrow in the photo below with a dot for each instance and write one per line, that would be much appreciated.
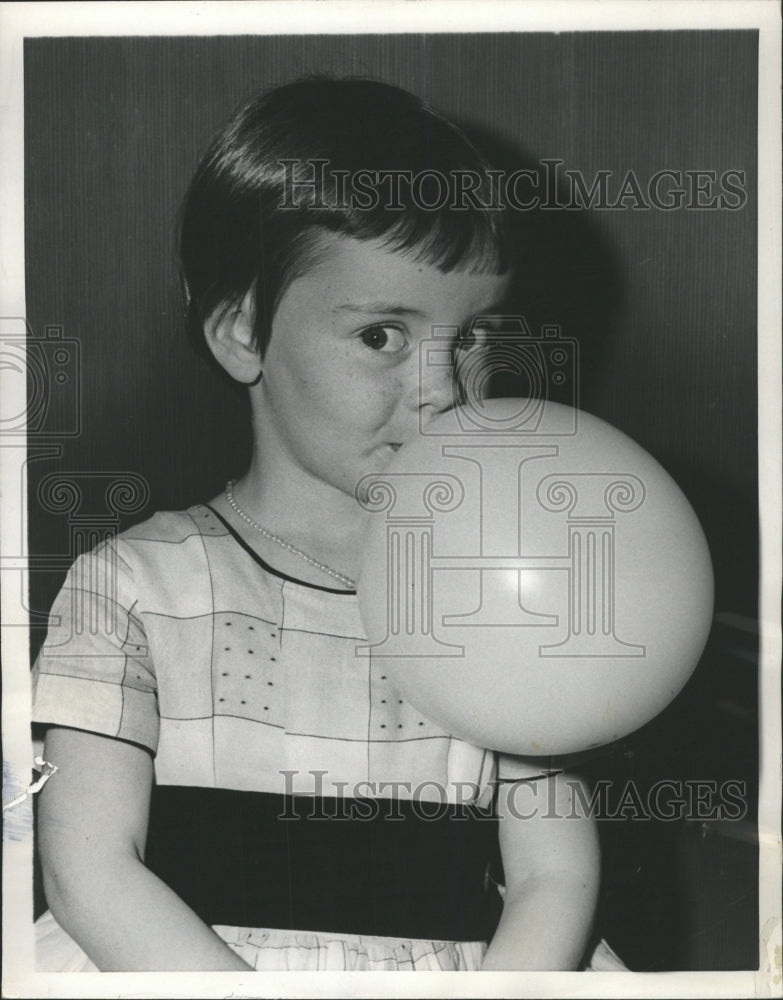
(489, 312)
(388, 308)
(377, 308)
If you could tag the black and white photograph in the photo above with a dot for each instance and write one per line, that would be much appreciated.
(391, 499)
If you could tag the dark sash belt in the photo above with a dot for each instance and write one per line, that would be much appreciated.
(351, 866)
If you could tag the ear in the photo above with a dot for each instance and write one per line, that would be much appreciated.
(229, 334)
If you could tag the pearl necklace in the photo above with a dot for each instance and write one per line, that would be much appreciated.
(345, 580)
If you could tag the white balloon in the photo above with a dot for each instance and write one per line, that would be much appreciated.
(538, 592)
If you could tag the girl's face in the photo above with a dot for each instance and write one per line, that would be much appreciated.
(341, 387)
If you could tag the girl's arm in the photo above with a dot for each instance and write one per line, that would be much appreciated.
(92, 827)
(551, 862)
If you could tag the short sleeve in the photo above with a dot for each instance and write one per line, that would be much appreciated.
(94, 671)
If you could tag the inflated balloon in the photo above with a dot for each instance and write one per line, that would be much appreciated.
(536, 588)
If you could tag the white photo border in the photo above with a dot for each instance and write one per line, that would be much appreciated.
(20, 20)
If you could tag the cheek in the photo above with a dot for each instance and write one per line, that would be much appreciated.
(355, 393)
(332, 390)
(377, 398)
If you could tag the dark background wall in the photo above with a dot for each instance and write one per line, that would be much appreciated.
(662, 304)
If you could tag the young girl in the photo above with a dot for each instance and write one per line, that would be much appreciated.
(236, 787)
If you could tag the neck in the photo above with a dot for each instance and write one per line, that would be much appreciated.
(305, 512)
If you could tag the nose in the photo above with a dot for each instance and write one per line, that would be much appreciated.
(435, 388)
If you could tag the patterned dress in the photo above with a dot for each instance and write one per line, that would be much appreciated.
(301, 808)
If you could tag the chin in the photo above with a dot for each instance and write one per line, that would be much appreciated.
(376, 466)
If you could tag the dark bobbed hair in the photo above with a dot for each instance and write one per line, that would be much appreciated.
(236, 235)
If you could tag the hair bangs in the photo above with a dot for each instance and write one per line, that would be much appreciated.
(295, 162)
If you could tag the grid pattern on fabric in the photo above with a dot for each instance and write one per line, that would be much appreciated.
(175, 637)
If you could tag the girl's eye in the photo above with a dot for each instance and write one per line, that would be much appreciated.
(388, 339)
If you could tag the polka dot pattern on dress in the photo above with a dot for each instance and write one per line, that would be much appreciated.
(246, 667)
(391, 717)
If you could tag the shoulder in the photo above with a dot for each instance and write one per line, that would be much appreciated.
(168, 527)
(169, 538)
